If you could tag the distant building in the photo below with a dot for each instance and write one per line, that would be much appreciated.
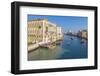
(83, 34)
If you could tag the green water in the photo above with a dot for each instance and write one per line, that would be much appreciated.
(68, 49)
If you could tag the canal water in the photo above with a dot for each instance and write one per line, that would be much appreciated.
(70, 48)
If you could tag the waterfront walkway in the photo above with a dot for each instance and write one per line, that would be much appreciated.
(33, 46)
(77, 36)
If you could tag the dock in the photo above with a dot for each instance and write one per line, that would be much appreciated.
(46, 44)
(33, 46)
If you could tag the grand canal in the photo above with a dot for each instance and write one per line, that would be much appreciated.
(70, 48)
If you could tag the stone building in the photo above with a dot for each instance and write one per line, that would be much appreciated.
(42, 30)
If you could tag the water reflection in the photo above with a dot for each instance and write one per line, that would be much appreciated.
(69, 48)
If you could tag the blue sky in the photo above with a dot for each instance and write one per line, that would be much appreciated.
(73, 23)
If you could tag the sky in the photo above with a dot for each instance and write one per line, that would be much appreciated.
(73, 23)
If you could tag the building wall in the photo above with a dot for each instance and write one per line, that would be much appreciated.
(35, 29)
(84, 34)
(43, 31)
(59, 33)
(52, 31)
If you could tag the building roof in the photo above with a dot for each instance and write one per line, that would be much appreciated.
(38, 19)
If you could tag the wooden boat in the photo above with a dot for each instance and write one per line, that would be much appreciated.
(71, 38)
(82, 42)
(58, 42)
(50, 46)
